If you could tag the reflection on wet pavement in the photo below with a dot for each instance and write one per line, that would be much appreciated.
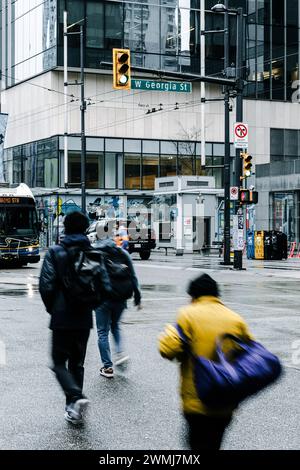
(158, 287)
(27, 291)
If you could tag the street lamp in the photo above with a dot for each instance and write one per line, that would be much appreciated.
(221, 8)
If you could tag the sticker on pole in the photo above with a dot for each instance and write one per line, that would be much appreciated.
(241, 135)
(234, 193)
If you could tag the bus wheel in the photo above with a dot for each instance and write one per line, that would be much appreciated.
(145, 255)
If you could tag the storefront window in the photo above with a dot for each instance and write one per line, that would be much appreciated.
(132, 171)
(94, 170)
(110, 170)
(149, 171)
(168, 165)
(284, 214)
(186, 165)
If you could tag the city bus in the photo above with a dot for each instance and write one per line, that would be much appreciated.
(19, 226)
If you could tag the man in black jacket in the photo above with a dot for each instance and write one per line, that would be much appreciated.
(71, 326)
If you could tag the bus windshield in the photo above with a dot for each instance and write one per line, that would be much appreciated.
(20, 221)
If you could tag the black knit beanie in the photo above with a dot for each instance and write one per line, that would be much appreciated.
(203, 285)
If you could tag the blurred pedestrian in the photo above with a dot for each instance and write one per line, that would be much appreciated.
(202, 322)
(122, 237)
(109, 312)
(70, 326)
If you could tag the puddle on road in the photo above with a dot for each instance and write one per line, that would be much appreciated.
(158, 287)
(28, 291)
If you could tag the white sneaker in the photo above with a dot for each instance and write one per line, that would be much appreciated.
(121, 360)
(70, 418)
(75, 411)
(80, 406)
(107, 372)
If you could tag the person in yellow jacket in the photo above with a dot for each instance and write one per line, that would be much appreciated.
(202, 322)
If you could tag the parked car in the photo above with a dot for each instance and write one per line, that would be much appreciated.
(140, 239)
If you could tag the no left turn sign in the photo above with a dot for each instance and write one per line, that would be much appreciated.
(241, 135)
(234, 193)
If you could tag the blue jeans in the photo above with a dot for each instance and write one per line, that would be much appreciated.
(108, 317)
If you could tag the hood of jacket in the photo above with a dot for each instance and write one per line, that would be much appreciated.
(104, 244)
(76, 239)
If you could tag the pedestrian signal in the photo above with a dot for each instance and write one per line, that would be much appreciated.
(121, 69)
(248, 197)
(247, 165)
(244, 196)
(253, 197)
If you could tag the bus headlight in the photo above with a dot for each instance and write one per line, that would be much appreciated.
(30, 249)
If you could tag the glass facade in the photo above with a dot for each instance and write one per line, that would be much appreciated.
(30, 38)
(284, 145)
(128, 164)
(35, 164)
(161, 34)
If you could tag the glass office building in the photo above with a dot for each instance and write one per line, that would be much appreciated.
(161, 34)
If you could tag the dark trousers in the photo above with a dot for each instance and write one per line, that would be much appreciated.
(68, 354)
(206, 432)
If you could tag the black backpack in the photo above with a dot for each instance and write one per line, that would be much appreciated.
(119, 273)
(83, 275)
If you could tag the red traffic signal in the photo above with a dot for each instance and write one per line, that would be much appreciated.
(244, 196)
(248, 197)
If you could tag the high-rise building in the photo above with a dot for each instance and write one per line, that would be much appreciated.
(135, 136)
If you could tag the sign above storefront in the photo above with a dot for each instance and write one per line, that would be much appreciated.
(177, 87)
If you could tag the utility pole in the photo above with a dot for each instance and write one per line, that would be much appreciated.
(82, 109)
(202, 84)
(66, 130)
(227, 238)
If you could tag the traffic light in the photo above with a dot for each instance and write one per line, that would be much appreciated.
(253, 197)
(246, 196)
(247, 164)
(121, 69)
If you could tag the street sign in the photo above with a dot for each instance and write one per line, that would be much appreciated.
(177, 87)
(234, 193)
(241, 135)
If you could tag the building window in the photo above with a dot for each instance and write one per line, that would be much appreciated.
(132, 171)
(94, 170)
(149, 171)
(186, 165)
(284, 144)
(110, 170)
(94, 24)
(168, 165)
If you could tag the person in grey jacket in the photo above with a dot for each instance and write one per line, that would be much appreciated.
(109, 313)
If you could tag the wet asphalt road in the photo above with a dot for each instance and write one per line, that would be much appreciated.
(141, 409)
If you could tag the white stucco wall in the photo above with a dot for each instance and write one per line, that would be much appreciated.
(36, 113)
